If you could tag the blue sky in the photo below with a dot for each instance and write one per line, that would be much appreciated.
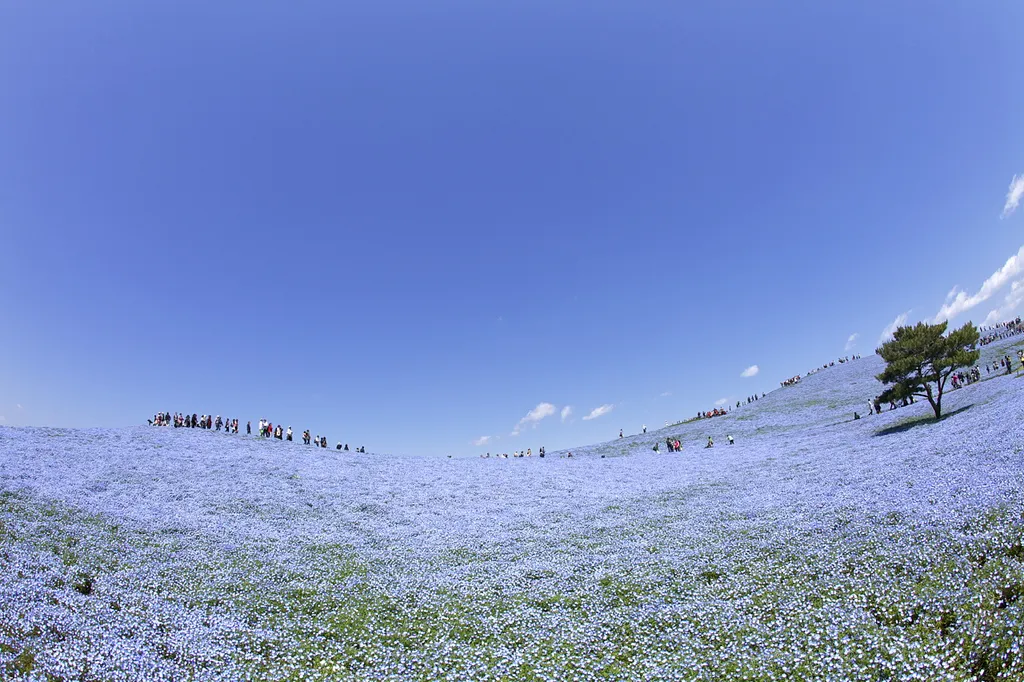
(413, 225)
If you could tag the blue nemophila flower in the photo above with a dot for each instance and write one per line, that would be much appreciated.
(815, 548)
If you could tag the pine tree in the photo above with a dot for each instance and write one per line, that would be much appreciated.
(920, 356)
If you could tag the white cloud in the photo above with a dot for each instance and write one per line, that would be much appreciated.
(900, 320)
(665, 394)
(722, 401)
(961, 302)
(750, 372)
(482, 440)
(851, 342)
(1009, 306)
(599, 412)
(566, 412)
(1013, 196)
(19, 406)
(533, 416)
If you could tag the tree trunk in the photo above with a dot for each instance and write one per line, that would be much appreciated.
(936, 402)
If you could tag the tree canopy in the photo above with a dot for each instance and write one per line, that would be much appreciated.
(920, 356)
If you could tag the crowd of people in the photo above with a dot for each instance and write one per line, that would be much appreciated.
(675, 445)
(195, 421)
(1001, 331)
(265, 428)
(716, 412)
(963, 378)
(1005, 364)
(528, 452)
(796, 379)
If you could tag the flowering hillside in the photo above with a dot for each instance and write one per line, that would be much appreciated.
(815, 548)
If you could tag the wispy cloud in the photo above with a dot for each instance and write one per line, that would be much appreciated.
(900, 320)
(750, 372)
(665, 394)
(960, 302)
(19, 406)
(722, 401)
(533, 416)
(566, 412)
(1013, 196)
(599, 412)
(1010, 305)
(851, 342)
(482, 440)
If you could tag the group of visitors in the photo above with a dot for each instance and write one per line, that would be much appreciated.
(875, 405)
(675, 445)
(194, 421)
(1001, 331)
(528, 452)
(750, 399)
(268, 430)
(796, 379)
(265, 428)
(717, 412)
(1005, 363)
(963, 378)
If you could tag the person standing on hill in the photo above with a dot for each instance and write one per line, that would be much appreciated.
(620, 433)
(289, 433)
(871, 406)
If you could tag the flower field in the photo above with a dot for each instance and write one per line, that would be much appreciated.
(815, 548)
